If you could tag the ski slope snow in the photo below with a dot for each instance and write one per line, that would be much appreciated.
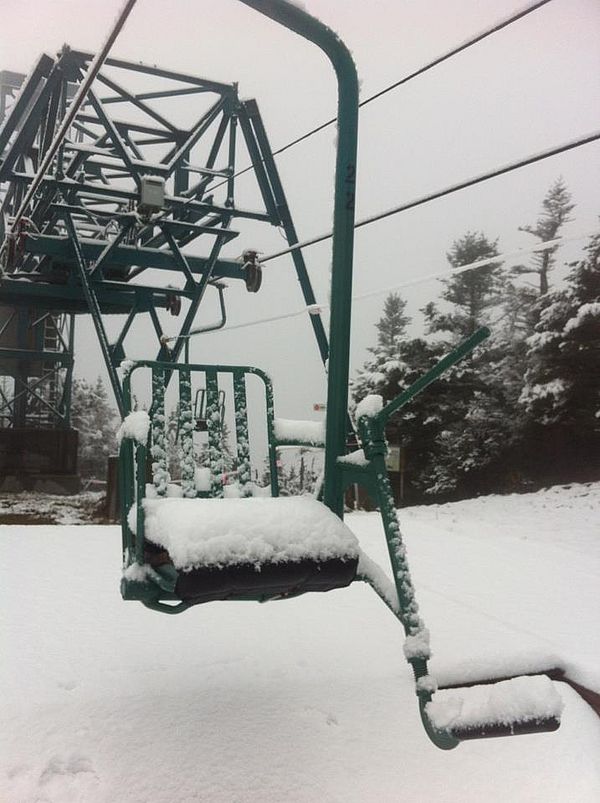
(306, 700)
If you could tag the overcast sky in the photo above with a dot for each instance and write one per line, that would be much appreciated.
(526, 89)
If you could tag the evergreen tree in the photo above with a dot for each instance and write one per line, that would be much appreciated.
(96, 420)
(300, 476)
(511, 333)
(420, 421)
(395, 363)
(383, 370)
(228, 461)
(556, 208)
(472, 294)
(561, 396)
(470, 406)
(173, 446)
(520, 304)
(201, 456)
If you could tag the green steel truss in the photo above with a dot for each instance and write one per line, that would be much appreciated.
(87, 243)
(36, 368)
(36, 345)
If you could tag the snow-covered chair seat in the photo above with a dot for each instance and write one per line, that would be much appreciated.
(260, 547)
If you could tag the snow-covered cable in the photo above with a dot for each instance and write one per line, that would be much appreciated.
(461, 185)
(479, 263)
(315, 309)
(473, 40)
(295, 314)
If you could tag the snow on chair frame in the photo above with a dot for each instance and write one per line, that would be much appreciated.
(197, 547)
(520, 705)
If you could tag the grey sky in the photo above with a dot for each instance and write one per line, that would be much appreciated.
(527, 88)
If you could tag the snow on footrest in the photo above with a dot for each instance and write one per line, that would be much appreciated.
(228, 532)
(519, 705)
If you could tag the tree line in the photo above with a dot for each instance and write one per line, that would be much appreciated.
(523, 411)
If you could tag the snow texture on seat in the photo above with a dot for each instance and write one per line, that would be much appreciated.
(231, 548)
(226, 532)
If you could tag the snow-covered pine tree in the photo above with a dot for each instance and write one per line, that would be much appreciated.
(96, 420)
(561, 396)
(511, 332)
(382, 371)
(471, 294)
(520, 304)
(556, 208)
(289, 484)
(201, 451)
(420, 420)
(299, 476)
(520, 308)
(396, 362)
(470, 408)
(173, 447)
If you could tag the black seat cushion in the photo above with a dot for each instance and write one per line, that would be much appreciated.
(206, 584)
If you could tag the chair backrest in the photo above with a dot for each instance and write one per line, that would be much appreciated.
(207, 479)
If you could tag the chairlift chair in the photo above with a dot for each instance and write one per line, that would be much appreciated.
(180, 551)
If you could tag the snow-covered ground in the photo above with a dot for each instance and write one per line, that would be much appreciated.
(41, 508)
(304, 700)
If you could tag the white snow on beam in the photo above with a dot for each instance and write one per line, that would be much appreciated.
(136, 426)
(312, 432)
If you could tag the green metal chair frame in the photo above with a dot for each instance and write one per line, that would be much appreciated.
(156, 591)
(339, 473)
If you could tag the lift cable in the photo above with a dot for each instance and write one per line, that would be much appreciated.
(497, 26)
(432, 196)
(317, 309)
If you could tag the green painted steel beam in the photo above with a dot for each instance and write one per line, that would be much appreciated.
(123, 124)
(135, 101)
(198, 289)
(27, 92)
(256, 156)
(114, 299)
(302, 23)
(283, 211)
(194, 228)
(174, 157)
(127, 255)
(96, 313)
(115, 138)
(110, 194)
(163, 93)
(148, 69)
(31, 355)
(23, 140)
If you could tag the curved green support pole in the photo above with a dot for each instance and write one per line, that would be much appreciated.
(302, 23)
(442, 739)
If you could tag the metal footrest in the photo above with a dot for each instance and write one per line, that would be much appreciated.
(492, 730)
(520, 705)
